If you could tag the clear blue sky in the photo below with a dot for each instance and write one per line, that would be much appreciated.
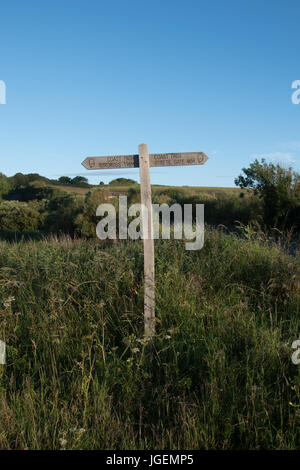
(98, 78)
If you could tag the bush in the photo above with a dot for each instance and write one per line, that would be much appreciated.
(18, 217)
(122, 181)
(86, 221)
(38, 191)
(61, 214)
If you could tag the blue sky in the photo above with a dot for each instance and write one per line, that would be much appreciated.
(91, 77)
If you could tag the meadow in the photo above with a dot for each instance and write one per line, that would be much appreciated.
(79, 374)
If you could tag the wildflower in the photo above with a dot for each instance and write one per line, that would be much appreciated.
(127, 341)
(8, 302)
(78, 431)
(2, 353)
(135, 350)
(63, 442)
(143, 341)
(167, 337)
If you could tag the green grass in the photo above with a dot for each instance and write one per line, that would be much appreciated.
(125, 187)
(70, 189)
(78, 374)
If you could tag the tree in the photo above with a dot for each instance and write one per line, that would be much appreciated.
(65, 180)
(122, 181)
(79, 181)
(5, 185)
(278, 187)
(19, 180)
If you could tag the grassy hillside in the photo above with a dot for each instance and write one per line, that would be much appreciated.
(123, 188)
(70, 189)
(79, 376)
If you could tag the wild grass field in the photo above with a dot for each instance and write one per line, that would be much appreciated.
(79, 374)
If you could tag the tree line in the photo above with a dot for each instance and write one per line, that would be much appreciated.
(270, 196)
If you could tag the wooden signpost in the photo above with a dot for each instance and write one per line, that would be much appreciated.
(144, 161)
(155, 159)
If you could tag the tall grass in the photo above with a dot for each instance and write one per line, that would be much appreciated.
(78, 373)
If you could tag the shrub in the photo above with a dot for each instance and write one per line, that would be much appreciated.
(18, 217)
(61, 214)
(38, 191)
(118, 181)
(86, 221)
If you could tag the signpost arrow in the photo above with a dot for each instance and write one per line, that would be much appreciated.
(143, 160)
(155, 159)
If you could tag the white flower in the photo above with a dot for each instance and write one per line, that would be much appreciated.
(63, 442)
(143, 341)
(8, 302)
(167, 337)
(78, 431)
(135, 350)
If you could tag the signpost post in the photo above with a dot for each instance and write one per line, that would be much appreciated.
(147, 224)
(144, 161)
